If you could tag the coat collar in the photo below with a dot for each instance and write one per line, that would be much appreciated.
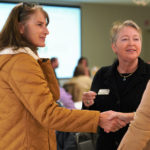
(26, 50)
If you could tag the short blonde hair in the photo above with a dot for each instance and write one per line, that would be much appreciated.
(117, 26)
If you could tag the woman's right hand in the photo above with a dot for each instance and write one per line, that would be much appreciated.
(88, 98)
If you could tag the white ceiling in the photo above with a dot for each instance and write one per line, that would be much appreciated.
(119, 2)
(76, 2)
(99, 1)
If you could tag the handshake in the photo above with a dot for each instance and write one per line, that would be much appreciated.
(112, 121)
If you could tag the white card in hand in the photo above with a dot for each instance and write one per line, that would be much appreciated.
(103, 91)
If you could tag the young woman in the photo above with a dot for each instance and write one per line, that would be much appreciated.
(29, 114)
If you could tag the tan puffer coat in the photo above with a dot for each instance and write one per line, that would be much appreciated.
(29, 114)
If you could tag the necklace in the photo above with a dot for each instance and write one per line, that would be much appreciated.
(125, 76)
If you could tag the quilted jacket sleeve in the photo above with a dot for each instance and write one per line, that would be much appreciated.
(138, 134)
(28, 83)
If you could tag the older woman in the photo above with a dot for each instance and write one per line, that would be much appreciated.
(119, 87)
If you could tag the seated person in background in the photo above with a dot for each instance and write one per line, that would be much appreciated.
(84, 62)
(54, 62)
(80, 83)
(66, 99)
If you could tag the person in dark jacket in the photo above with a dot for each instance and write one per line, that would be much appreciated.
(119, 87)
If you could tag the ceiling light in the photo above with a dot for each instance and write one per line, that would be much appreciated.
(141, 2)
